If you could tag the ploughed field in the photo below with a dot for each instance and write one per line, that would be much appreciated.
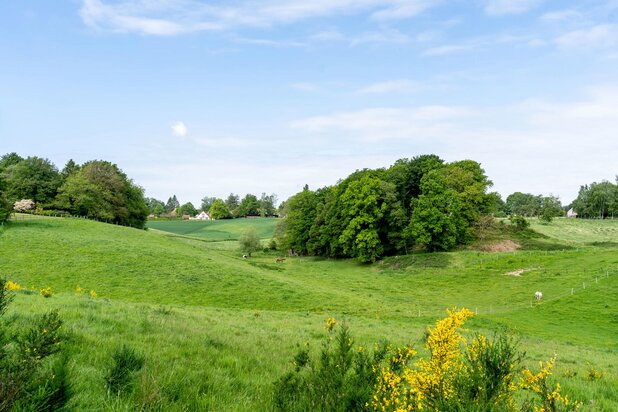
(217, 330)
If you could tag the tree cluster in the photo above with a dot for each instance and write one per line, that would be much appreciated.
(529, 205)
(597, 200)
(217, 208)
(96, 189)
(373, 213)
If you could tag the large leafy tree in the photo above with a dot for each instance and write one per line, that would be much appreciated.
(32, 178)
(232, 202)
(102, 191)
(299, 220)
(524, 204)
(187, 209)
(367, 205)
(267, 204)
(437, 221)
(597, 200)
(249, 206)
(172, 204)
(219, 210)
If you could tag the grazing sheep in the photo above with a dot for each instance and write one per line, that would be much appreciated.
(538, 295)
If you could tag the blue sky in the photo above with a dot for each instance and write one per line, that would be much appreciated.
(204, 98)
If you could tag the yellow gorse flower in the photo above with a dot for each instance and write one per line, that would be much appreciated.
(330, 324)
(13, 286)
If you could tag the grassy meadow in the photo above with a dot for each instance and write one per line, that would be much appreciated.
(217, 329)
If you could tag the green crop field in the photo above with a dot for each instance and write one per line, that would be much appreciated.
(217, 330)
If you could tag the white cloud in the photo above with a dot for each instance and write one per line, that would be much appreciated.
(599, 36)
(502, 7)
(560, 16)
(389, 87)
(179, 129)
(169, 17)
(535, 146)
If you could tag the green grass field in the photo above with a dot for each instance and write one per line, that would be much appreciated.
(218, 329)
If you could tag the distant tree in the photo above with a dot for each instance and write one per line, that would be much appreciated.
(597, 200)
(69, 168)
(219, 210)
(367, 204)
(102, 191)
(523, 204)
(32, 178)
(232, 203)
(187, 209)
(249, 206)
(437, 221)
(207, 203)
(299, 220)
(172, 203)
(155, 206)
(550, 208)
(9, 159)
(267, 204)
(249, 242)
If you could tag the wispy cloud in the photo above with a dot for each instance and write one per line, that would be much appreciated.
(599, 36)
(502, 7)
(397, 86)
(170, 17)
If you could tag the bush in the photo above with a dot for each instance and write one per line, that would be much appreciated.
(32, 368)
(249, 242)
(520, 222)
(126, 362)
(341, 378)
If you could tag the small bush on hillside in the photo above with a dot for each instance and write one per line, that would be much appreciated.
(249, 242)
(126, 362)
(520, 222)
(32, 369)
(341, 378)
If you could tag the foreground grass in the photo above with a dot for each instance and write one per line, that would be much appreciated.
(217, 329)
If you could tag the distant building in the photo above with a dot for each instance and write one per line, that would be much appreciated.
(571, 213)
(202, 216)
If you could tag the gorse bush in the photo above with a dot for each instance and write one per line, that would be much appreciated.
(126, 362)
(32, 370)
(457, 375)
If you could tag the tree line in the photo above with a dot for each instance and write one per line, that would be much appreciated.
(97, 189)
(388, 211)
(217, 208)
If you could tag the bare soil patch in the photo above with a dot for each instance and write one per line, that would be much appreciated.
(502, 246)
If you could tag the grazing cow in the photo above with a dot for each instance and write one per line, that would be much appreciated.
(538, 295)
(279, 260)
(244, 256)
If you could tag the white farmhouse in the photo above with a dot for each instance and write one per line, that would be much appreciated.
(202, 216)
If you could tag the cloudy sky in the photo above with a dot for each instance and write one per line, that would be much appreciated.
(203, 98)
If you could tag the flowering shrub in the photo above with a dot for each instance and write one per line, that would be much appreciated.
(459, 376)
(24, 205)
(47, 292)
(92, 293)
(32, 378)
(12, 286)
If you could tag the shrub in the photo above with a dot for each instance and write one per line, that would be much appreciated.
(249, 242)
(32, 376)
(341, 378)
(520, 222)
(126, 362)
(24, 205)
(12, 286)
(47, 292)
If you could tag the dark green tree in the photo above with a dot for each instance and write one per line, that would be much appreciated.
(32, 178)
(267, 204)
(207, 203)
(100, 190)
(232, 202)
(299, 220)
(187, 209)
(172, 204)
(550, 208)
(249, 206)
